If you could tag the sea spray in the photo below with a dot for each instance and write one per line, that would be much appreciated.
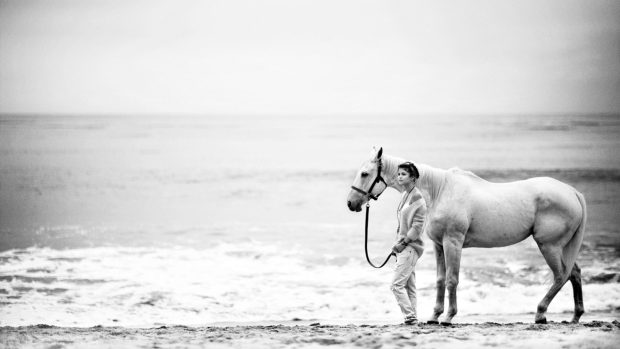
(240, 282)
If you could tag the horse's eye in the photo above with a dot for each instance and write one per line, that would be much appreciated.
(364, 174)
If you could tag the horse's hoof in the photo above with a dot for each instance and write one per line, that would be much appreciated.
(432, 322)
(541, 321)
(447, 324)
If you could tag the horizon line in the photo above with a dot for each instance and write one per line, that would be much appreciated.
(300, 114)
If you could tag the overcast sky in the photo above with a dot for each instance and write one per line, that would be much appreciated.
(305, 57)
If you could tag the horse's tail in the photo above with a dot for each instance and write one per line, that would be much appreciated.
(570, 251)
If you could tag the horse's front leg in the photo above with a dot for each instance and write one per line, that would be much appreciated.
(441, 283)
(452, 246)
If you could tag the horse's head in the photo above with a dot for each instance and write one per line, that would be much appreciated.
(368, 182)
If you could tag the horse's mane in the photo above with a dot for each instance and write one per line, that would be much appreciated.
(464, 172)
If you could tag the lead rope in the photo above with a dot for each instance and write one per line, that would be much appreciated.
(366, 242)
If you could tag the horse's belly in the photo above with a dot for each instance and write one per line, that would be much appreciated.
(499, 231)
(496, 239)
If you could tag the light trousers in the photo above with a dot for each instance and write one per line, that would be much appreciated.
(403, 282)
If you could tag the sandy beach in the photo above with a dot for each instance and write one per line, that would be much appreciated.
(593, 334)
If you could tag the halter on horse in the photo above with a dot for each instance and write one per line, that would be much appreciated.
(378, 179)
(368, 194)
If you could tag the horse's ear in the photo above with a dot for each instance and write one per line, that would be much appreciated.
(376, 154)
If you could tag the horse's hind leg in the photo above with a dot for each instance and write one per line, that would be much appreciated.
(552, 255)
(441, 284)
(575, 280)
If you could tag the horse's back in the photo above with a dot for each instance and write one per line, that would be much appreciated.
(546, 195)
(545, 190)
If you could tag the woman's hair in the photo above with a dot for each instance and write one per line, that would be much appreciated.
(410, 168)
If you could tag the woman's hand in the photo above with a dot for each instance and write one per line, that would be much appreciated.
(399, 247)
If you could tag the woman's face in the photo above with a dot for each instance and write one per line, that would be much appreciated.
(403, 177)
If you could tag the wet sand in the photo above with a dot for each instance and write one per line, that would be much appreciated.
(593, 334)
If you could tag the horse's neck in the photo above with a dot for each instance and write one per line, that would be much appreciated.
(390, 168)
(430, 182)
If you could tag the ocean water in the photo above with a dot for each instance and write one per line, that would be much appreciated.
(147, 220)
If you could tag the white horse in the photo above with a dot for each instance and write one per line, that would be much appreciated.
(465, 210)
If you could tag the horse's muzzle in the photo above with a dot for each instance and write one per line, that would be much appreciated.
(352, 208)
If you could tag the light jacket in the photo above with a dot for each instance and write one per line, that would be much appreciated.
(411, 215)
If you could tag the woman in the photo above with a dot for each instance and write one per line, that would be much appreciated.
(409, 247)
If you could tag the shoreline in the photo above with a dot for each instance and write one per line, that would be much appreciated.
(600, 334)
(459, 320)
